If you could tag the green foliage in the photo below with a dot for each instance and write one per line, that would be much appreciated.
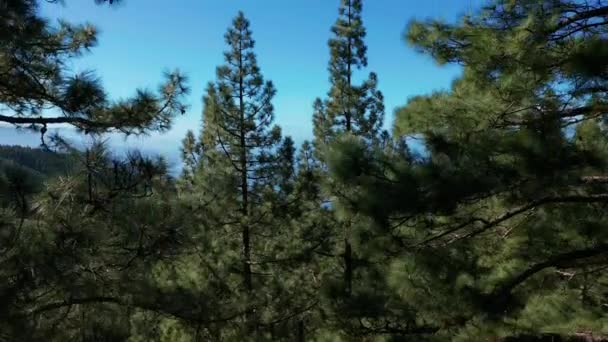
(348, 108)
(497, 231)
(34, 59)
(499, 218)
(39, 160)
(251, 220)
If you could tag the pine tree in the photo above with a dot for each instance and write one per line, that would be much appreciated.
(351, 110)
(493, 232)
(240, 130)
(245, 173)
(190, 153)
(88, 240)
(70, 245)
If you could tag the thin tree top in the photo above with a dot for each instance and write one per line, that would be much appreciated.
(347, 46)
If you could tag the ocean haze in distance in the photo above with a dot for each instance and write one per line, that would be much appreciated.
(159, 145)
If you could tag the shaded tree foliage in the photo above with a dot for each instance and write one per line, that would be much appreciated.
(498, 228)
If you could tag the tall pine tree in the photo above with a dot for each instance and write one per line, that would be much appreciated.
(243, 175)
(238, 130)
(350, 109)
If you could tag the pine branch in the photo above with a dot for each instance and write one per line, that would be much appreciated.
(19, 120)
(398, 330)
(597, 12)
(488, 224)
(188, 315)
(599, 198)
(501, 293)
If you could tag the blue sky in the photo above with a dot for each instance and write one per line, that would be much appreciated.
(139, 39)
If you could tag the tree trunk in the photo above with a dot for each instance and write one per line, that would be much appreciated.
(348, 258)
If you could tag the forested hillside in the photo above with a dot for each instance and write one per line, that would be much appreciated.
(38, 160)
(496, 231)
(24, 171)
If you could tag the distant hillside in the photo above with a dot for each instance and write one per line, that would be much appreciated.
(152, 145)
(35, 160)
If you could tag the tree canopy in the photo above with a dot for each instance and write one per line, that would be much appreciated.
(493, 229)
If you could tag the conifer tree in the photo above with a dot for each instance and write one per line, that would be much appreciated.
(349, 110)
(190, 153)
(245, 172)
(491, 232)
(87, 234)
(239, 128)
